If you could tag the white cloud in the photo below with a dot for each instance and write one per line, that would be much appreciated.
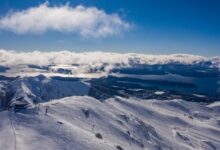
(87, 61)
(95, 58)
(85, 21)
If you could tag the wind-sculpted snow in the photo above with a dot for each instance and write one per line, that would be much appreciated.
(80, 123)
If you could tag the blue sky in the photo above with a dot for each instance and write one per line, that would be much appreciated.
(155, 27)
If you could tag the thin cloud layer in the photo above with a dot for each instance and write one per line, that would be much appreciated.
(85, 21)
(96, 58)
(102, 62)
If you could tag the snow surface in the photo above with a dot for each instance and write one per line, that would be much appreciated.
(37, 89)
(132, 124)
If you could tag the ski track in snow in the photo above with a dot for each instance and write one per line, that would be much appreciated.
(7, 132)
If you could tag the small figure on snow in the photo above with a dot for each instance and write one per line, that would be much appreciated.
(46, 110)
(93, 127)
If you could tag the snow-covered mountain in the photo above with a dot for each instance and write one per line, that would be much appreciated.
(108, 101)
(29, 91)
(79, 123)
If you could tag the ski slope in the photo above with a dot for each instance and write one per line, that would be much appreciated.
(7, 132)
(72, 123)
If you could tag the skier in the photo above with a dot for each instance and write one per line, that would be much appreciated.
(46, 110)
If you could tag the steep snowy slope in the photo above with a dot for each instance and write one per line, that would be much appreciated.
(31, 90)
(80, 123)
(50, 88)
